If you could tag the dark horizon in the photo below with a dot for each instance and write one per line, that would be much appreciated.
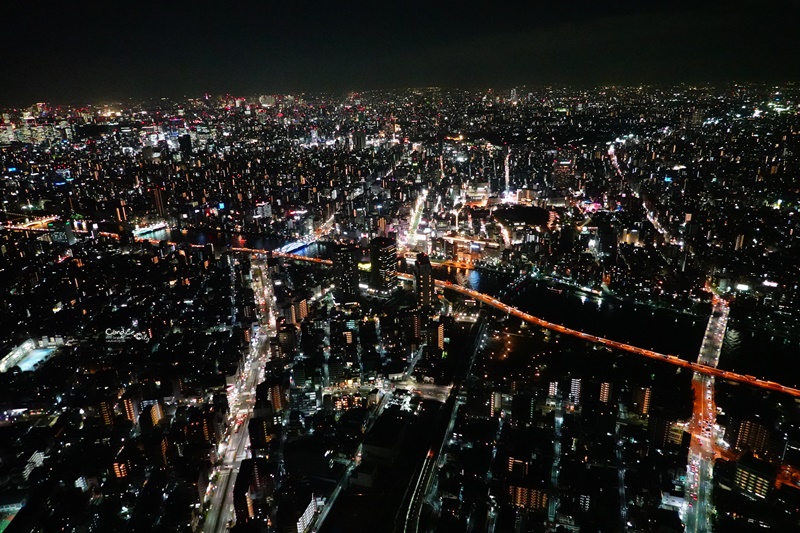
(78, 102)
(61, 54)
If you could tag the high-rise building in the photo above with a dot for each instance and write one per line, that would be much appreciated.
(423, 282)
(164, 446)
(412, 325)
(345, 266)
(523, 409)
(185, 145)
(495, 403)
(750, 435)
(121, 469)
(278, 397)
(754, 477)
(562, 177)
(518, 467)
(435, 335)
(658, 434)
(158, 200)
(122, 464)
(531, 496)
(383, 259)
(260, 432)
(107, 414)
(585, 502)
(130, 405)
(359, 140)
(288, 339)
(641, 401)
(155, 412)
(294, 310)
(61, 232)
(254, 485)
(575, 391)
(605, 392)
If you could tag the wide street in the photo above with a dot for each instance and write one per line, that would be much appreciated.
(700, 463)
(241, 398)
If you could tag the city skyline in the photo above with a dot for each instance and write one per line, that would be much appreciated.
(427, 310)
(136, 51)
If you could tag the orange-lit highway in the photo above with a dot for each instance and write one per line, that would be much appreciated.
(672, 359)
(497, 304)
(698, 509)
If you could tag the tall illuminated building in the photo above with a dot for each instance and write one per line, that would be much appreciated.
(121, 469)
(575, 391)
(605, 392)
(641, 401)
(345, 266)
(130, 406)
(383, 259)
(423, 282)
(562, 177)
(754, 477)
(158, 200)
(748, 435)
(107, 414)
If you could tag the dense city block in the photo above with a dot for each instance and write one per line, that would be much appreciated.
(527, 309)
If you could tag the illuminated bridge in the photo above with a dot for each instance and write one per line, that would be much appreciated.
(702, 368)
(497, 304)
(672, 359)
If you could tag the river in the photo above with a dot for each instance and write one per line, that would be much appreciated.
(746, 351)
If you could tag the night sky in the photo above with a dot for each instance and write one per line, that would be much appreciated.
(74, 52)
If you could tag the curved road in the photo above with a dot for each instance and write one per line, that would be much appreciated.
(704, 369)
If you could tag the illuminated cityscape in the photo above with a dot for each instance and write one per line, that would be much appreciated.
(424, 310)
(459, 268)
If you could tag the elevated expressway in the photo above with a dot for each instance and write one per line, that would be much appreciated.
(701, 367)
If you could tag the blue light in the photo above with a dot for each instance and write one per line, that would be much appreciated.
(221, 205)
(12, 169)
(668, 179)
